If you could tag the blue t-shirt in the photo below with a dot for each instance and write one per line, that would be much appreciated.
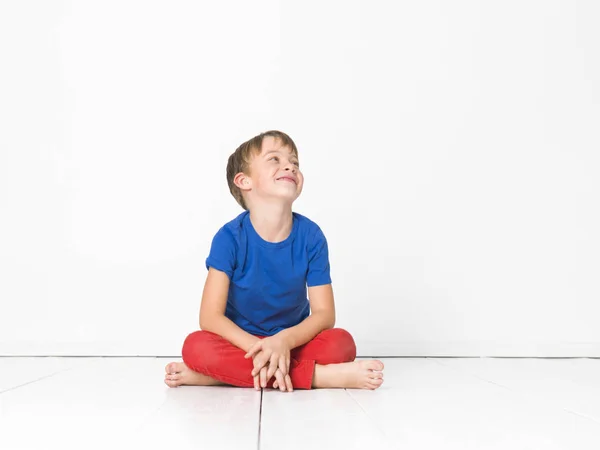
(268, 281)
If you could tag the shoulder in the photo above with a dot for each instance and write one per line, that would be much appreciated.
(232, 230)
(304, 221)
(236, 224)
(308, 227)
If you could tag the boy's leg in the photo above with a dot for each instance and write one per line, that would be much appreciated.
(334, 354)
(212, 355)
(331, 346)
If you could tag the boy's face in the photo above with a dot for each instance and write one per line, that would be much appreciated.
(275, 172)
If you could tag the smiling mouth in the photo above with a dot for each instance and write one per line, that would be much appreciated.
(287, 179)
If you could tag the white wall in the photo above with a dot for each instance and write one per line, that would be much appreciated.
(450, 149)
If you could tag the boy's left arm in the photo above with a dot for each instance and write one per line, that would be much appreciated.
(322, 317)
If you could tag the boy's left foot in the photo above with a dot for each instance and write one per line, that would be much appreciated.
(363, 374)
(177, 374)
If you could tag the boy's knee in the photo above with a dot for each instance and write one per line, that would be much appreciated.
(347, 344)
(195, 347)
(343, 342)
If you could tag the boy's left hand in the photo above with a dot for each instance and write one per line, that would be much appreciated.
(274, 351)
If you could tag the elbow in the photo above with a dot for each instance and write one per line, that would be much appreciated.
(329, 319)
(206, 323)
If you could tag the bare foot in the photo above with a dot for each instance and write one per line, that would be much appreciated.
(364, 374)
(177, 374)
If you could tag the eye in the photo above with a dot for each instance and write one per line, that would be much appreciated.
(274, 157)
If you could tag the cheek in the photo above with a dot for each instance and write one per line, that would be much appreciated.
(266, 180)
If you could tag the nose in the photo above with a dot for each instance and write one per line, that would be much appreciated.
(291, 167)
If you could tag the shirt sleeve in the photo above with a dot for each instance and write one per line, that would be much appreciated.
(318, 261)
(222, 252)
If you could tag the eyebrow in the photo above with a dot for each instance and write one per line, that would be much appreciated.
(277, 151)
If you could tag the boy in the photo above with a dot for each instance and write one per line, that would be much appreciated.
(257, 326)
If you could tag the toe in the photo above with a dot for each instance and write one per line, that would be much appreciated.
(374, 384)
(172, 376)
(374, 364)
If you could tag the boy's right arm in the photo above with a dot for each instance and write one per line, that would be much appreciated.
(212, 311)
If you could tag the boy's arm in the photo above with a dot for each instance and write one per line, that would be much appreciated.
(212, 311)
(321, 318)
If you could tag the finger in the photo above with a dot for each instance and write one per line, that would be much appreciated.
(282, 365)
(288, 383)
(259, 362)
(275, 384)
(263, 377)
(254, 349)
(256, 385)
(256, 368)
(280, 381)
(249, 352)
(256, 360)
(272, 367)
(287, 365)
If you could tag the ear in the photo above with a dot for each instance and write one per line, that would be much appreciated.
(242, 181)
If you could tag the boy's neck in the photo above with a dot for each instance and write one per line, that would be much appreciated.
(272, 222)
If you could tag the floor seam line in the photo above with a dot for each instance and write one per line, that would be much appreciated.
(30, 382)
(38, 379)
(260, 418)
(377, 427)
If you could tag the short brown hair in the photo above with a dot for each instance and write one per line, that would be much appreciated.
(239, 161)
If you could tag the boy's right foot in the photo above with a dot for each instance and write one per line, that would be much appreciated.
(177, 374)
(364, 374)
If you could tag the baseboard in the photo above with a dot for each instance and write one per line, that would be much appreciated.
(364, 349)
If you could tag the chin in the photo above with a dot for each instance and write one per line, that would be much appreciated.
(287, 200)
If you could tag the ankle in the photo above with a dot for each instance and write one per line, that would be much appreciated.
(322, 377)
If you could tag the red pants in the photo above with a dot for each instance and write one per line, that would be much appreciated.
(212, 355)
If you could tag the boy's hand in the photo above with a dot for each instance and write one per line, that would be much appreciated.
(284, 382)
(257, 379)
(273, 352)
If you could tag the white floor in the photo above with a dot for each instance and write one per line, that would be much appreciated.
(424, 403)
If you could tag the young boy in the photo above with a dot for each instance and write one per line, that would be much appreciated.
(258, 326)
